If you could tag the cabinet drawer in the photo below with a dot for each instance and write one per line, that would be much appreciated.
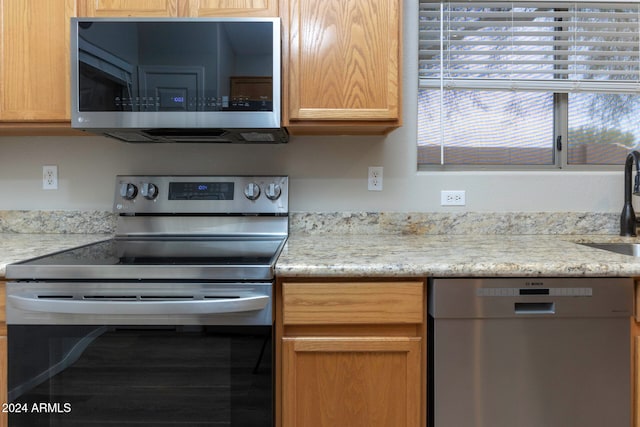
(3, 314)
(353, 303)
(3, 304)
(637, 303)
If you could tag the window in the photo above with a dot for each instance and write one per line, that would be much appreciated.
(538, 84)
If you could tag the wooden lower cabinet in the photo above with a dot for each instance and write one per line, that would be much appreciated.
(3, 354)
(351, 381)
(351, 354)
(635, 369)
(4, 422)
(635, 359)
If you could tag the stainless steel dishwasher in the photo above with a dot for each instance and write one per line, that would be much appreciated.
(530, 352)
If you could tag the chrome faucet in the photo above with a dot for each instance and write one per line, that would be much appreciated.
(628, 221)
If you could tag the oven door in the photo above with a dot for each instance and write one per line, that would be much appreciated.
(160, 354)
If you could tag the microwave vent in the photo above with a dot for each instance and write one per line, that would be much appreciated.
(246, 136)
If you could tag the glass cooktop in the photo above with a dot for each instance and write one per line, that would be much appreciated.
(155, 258)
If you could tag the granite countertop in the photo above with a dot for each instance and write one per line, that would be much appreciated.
(387, 255)
(16, 247)
(381, 244)
(330, 255)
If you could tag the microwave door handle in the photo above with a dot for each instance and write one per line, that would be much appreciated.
(213, 306)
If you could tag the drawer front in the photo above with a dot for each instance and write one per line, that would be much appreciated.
(637, 302)
(350, 303)
(3, 306)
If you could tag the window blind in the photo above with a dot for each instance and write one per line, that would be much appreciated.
(547, 46)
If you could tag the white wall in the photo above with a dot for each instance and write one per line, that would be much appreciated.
(327, 173)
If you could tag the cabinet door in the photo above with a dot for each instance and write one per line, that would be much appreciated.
(635, 381)
(113, 8)
(204, 8)
(192, 8)
(34, 60)
(351, 381)
(3, 354)
(342, 60)
(635, 365)
(635, 358)
(4, 421)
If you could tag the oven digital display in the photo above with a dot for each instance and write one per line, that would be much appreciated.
(201, 190)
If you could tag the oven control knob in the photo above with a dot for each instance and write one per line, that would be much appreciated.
(149, 191)
(128, 191)
(273, 191)
(252, 191)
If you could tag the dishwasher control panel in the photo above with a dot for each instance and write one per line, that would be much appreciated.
(513, 292)
(506, 297)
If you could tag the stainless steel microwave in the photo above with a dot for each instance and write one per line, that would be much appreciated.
(177, 79)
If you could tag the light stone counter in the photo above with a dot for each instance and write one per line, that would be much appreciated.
(382, 244)
(419, 244)
(383, 255)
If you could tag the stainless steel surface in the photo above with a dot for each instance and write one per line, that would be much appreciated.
(632, 249)
(239, 204)
(133, 126)
(264, 226)
(530, 352)
(176, 235)
(497, 298)
(239, 272)
(175, 312)
(161, 303)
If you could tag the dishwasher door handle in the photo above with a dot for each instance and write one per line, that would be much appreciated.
(535, 308)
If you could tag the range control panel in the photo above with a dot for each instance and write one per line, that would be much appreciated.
(201, 194)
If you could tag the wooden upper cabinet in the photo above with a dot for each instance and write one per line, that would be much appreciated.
(34, 60)
(123, 8)
(207, 8)
(180, 8)
(341, 65)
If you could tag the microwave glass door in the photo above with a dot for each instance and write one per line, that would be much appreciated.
(175, 66)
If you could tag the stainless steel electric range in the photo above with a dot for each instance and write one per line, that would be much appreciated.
(168, 323)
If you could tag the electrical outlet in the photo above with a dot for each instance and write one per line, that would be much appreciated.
(375, 178)
(453, 198)
(49, 177)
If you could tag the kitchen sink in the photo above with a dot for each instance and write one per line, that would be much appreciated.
(632, 249)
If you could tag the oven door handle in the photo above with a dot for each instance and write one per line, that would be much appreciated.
(141, 307)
